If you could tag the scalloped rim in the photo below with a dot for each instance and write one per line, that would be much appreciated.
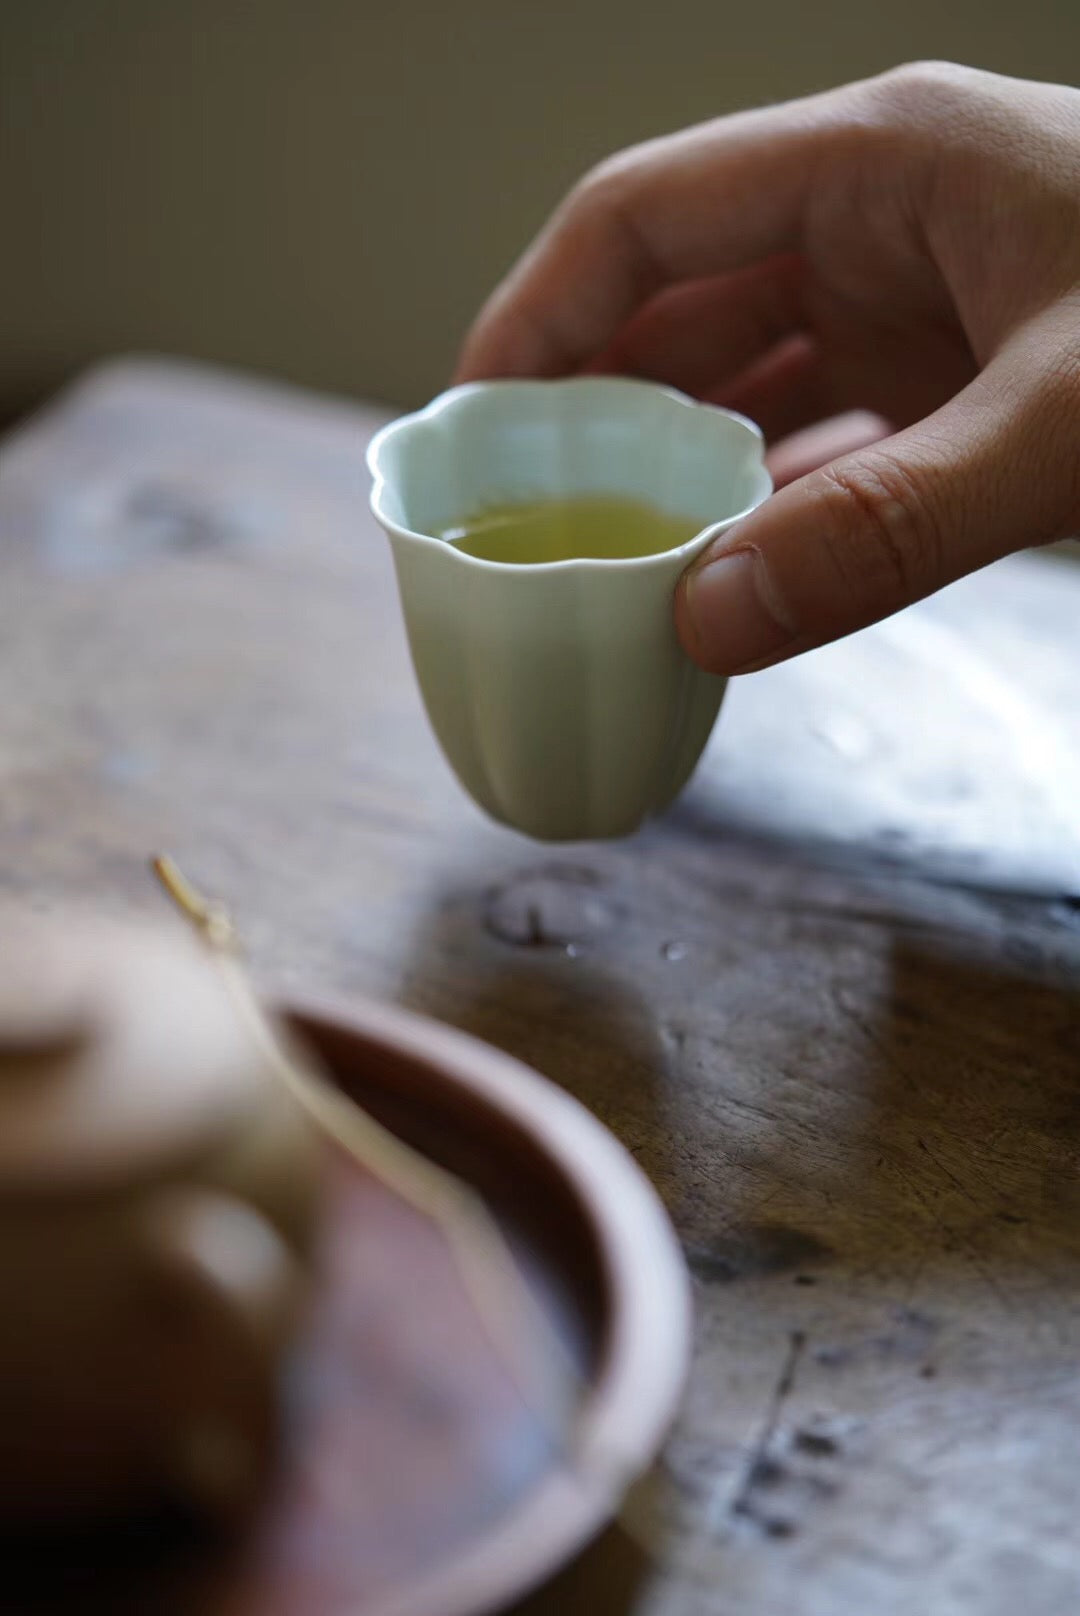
(446, 403)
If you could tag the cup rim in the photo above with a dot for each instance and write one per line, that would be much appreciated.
(447, 400)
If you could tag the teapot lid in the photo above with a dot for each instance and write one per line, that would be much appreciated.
(120, 1048)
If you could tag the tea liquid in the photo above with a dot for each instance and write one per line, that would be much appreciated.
(589, 527)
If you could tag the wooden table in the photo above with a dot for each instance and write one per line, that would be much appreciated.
(831, 1002)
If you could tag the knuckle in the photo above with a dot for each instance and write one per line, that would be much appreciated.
(617, 180)
(1051, 426)
(1059, 391)
(917, 83)
(923, 93)
(606, 186)
(606, 201)
(879, 533)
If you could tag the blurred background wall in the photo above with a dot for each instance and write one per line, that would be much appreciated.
(324, 189)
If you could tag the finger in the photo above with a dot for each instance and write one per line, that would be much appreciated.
(988, 473)
(784, 391)
(803, 452)
(900, 374)
(804, 381)
(700, 331)
(701, 203)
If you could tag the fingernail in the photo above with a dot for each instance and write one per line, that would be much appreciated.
(734, 615)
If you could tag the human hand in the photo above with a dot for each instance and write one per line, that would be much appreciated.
(908, 246)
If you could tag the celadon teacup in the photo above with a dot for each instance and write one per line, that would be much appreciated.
(559, 691)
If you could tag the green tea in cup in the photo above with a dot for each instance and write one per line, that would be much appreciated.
(588, 527)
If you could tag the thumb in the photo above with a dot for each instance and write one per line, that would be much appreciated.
(989, 473)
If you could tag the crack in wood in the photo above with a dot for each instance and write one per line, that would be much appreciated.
(757, 1464)
(949, 1174)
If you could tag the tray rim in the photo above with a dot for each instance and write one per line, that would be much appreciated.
(636, 1387)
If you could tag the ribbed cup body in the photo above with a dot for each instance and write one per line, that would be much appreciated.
(559, 692)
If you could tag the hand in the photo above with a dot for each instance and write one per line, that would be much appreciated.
(908, 246)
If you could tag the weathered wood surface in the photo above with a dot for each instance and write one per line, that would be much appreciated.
(831, 1002)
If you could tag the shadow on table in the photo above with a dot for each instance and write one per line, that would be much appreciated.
(560, 1008)
(923, 1106)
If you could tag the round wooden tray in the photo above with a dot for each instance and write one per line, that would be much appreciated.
(423, 1474)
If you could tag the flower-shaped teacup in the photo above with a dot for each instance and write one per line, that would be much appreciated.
(559, 691)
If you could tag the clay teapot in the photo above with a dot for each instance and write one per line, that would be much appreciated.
(157, 1197)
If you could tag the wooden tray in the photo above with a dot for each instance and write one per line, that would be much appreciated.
(423, 1473)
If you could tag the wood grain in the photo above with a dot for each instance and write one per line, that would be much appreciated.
(830, 1002)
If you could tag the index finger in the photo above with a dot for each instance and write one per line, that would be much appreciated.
(703, 202)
